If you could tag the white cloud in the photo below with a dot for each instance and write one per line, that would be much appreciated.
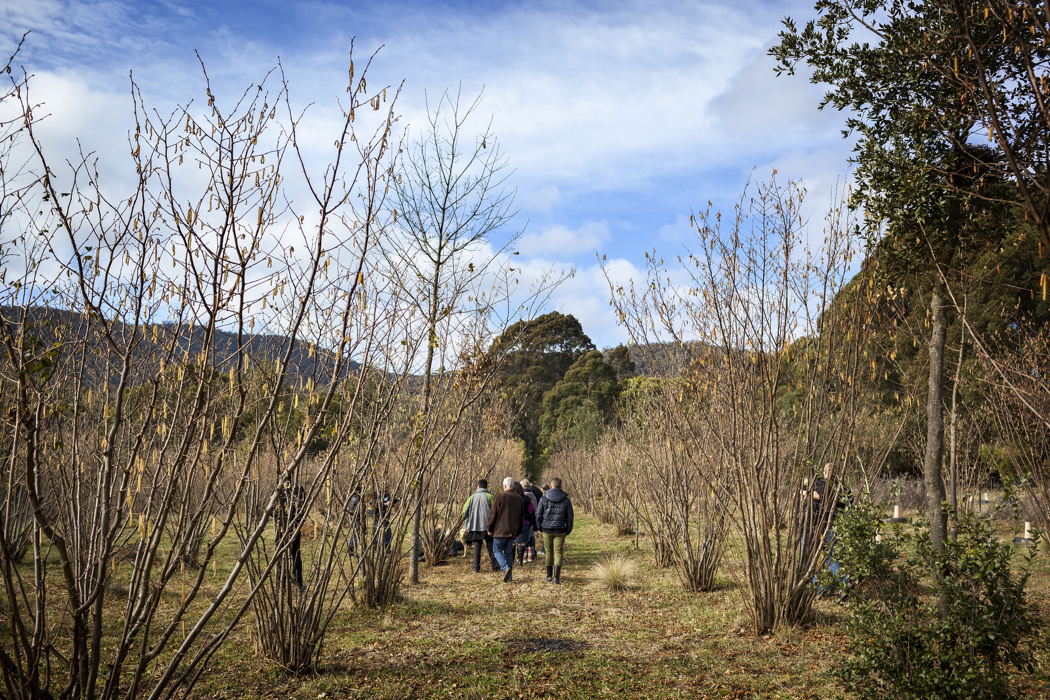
(679, 232)
(586, 296)
(543, 199)
(74, 116)
(562, 241)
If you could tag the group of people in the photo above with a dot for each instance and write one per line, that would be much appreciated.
(506, 524)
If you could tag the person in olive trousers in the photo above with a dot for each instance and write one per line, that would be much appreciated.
(554, 520)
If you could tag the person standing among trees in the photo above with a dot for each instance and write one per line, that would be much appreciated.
(536, 496)
(383, 503)
(476, 514)
(824, 489)
(504, 525)
(554, 520)
(529, 503)
(289, 505)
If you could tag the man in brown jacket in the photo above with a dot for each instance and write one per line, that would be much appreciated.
(505, 518)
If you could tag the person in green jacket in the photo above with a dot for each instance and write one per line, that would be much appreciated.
(476, 517)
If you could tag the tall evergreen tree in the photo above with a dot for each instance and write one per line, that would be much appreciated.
(581, 404)
(538, 354)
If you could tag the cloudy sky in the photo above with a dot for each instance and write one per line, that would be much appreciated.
(618, 118)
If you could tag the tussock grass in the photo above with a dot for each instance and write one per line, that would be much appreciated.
(616, 573)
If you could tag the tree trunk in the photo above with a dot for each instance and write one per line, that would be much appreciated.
(432, 319)
(932, 468)
(953, 430)
(413, 557)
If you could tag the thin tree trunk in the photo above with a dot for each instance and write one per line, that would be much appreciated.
(413, 558)
(954, 455)
(935, 496)
(417, 516)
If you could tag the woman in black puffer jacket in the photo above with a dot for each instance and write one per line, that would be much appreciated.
(554, 520)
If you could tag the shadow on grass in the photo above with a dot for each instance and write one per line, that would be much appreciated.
(532, 645)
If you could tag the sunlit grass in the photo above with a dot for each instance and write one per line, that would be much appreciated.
(616, 573)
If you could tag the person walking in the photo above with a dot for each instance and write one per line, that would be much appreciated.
(554, 520)
(537, 495)
(504, 526)
(529, 502)
(541, 551)
(476, 514)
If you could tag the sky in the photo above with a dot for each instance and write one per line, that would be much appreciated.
(618, 119)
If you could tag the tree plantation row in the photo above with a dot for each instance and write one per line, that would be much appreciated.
(284, 379)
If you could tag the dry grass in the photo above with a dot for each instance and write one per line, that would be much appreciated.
(466, 635)
(616, 573)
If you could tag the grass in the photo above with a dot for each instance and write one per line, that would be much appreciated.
(466, 635)
(615, 573)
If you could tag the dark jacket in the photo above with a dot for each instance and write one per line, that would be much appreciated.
(554, 513)
(506, 515)
(843, 500)
(530, 503)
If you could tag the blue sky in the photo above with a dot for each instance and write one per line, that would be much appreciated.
(618, 118)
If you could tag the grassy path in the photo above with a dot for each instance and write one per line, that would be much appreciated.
(466, 635)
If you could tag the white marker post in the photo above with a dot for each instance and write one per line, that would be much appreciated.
(1027, 539)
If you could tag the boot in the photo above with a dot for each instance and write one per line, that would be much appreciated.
(557, 575)
(508, 575)
(550, 576)
(521, 555)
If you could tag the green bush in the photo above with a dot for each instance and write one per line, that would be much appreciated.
(899, 646)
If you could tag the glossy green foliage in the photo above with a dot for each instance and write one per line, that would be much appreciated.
(899, 646)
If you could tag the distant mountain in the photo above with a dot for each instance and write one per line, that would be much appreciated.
(50, 326)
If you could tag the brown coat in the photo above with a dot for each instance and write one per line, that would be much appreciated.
(506, 514)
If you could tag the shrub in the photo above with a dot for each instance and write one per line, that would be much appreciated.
(899, 645)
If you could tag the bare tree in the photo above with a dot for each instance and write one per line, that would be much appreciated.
(128, 330)
(769, 389)
(451, 198)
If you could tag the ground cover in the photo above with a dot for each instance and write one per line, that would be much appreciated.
(466, 635)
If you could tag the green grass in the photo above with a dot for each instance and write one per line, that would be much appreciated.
(466, 635)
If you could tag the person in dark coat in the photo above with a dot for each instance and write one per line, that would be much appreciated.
(504, 525)
(529, 502)
(554, 520)
(537, 494)
(290, 503)
(823, 490)
(384, 502)
(476, 519)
